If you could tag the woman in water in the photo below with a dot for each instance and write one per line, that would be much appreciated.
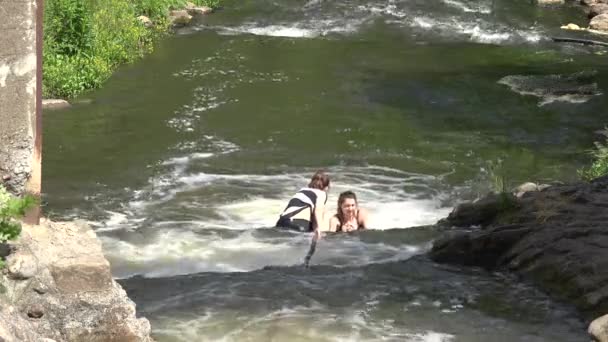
(305, 210)
(349, 216)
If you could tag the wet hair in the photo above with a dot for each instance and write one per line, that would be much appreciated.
(343, 197)
(320, 180)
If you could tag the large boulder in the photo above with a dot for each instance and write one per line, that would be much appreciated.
(59, 282)
(599, 22)
(556, 238)
(598, 329)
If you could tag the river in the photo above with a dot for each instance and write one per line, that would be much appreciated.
(183, 161)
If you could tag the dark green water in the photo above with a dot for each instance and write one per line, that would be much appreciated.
(180, 157)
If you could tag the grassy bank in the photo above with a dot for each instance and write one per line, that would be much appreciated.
(86, 40)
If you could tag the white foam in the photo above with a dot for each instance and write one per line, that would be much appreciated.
(478, 9)
(476, 31)
(303, 29)
(280, 31)
(431, 336)
(479, 35)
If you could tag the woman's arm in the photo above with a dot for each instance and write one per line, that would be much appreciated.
(334, 223)
(363, 218)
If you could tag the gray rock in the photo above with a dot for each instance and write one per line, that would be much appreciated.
(556, 238)
(180, 18)
(21, 265)
(598, 329)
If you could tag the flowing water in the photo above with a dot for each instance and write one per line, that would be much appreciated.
(183, 161)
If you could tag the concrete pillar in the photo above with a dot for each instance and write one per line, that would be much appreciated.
(20, 97)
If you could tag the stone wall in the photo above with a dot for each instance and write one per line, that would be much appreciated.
(19, 96)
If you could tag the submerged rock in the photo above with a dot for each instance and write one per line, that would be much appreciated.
(550, 2)
(54, 104)
(59, 287)
(556, 238)
(179, 18)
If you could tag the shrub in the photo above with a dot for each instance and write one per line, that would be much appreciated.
(11, 208)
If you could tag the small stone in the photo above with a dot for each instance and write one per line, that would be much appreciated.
(21, 265)
(145, 20)
(54, 104)
(40, 288)
(35, 311)
(571, 26)
(550, 2)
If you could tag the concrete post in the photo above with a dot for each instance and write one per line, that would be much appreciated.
(20, 97)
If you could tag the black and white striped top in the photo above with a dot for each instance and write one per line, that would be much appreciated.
(304, 198)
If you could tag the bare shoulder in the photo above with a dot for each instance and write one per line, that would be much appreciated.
(334, 222)
(363, 217)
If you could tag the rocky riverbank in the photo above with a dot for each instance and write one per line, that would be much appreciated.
(597, 11)
(57, 286)
(555, 237)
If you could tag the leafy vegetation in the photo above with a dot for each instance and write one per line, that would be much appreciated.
(599, 166)
(86, 40)
(11, 209)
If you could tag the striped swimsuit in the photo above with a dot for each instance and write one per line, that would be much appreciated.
(303, 199)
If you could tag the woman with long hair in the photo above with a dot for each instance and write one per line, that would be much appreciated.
(305, 210)
(349, 216)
